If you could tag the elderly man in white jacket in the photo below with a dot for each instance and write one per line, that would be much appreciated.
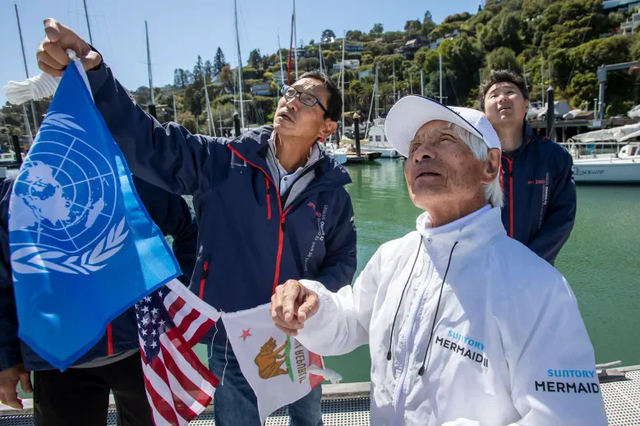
(466, 326)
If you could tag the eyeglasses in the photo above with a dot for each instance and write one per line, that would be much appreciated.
(306, 99)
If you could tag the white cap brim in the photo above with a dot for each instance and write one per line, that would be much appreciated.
(412, 112)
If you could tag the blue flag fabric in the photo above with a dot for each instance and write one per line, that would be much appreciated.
(83, 248)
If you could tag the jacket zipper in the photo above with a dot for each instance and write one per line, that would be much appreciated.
(510, 161)
(281, 216)
(203, 278)
(109, 340)
(510, 199)
(266, 183)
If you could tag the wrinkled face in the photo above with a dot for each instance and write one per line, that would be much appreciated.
(505, 104)
(296, 120)
(441, 168)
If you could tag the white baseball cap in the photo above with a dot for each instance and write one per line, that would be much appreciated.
(413, 111)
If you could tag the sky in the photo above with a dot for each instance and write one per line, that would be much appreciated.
(181, 30)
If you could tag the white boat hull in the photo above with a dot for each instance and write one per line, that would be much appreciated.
(386, 152)
(625, 171)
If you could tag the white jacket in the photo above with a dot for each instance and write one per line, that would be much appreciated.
(509, 345)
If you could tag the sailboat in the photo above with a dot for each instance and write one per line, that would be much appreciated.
(376, 137)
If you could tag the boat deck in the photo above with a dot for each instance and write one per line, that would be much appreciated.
(348, 405)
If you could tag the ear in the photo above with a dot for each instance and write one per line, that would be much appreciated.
(327, 128)
(491, 166)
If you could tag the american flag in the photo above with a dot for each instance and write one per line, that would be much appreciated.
(170, 322)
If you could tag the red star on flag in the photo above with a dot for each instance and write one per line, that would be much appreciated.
(245, 333)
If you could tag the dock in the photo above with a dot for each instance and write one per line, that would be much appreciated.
(352, 157)
(348, 404)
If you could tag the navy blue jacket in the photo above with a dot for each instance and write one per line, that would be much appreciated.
(252, 238)
(540, 195)
(172, 215)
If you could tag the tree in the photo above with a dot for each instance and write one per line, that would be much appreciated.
(328, 36)
(354, 35)
(508, 31)
(218, 62)
(502, 58)
(308, 64)
(413, 26)
(208, 71)
(198, 72)
(427, 25)
(180, 78)
(459, 55)
(255, 60)
(377, 29)
(226, 77)
(312, 42)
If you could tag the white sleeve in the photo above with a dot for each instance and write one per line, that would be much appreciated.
(341, 323)
(550, 359)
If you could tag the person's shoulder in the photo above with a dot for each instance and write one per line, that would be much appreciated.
(552, 153)
(521, 270)
(549, 145)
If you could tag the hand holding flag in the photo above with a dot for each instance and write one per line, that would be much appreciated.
(52, 56)
(291, 305)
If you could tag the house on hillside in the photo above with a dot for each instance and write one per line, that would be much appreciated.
(350, 64)
(352, 47)
(412, 45)
(365, 73)
(260, 89)
(619, 5)
(278, 77)
(328, 39)
(629, 27)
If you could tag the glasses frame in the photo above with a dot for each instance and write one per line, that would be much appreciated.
(299, 94)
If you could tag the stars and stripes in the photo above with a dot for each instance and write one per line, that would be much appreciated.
(170, 322)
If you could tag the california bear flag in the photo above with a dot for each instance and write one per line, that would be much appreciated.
(279, 369)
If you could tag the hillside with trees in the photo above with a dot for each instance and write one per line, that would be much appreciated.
(562, 41)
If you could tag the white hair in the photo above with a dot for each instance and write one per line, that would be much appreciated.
(492, 191)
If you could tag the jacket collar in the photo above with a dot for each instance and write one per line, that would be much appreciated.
(471, 232)
(254, 146)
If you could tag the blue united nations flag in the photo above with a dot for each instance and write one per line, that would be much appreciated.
(83, 248)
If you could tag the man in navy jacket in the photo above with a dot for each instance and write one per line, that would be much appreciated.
(80, 394)
(540, 194)
(271, 204)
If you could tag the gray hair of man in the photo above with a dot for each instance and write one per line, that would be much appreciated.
(479, 149)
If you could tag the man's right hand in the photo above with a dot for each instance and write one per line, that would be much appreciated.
(9, 379)
(291, 305)
(52, 55)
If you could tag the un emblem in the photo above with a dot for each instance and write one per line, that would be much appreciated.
(63, 204)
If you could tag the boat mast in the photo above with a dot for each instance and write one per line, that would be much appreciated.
(440, 57)
(393, 64)
(211, 126)
(377, 93)
(280, 56)
(235, 5)
(295, 37)
(152, 105)
(86, 14)
(344, 39)
(26, 70)
(175, 113)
